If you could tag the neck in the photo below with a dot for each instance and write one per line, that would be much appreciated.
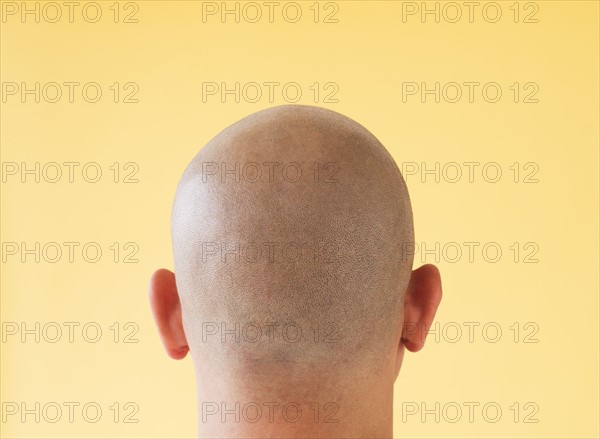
(316, 411)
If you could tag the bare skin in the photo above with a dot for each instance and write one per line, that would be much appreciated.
(293, 287)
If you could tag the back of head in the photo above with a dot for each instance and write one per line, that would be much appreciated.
(289, 231)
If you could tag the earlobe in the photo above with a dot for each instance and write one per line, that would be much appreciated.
(166, 309)
(421, 302)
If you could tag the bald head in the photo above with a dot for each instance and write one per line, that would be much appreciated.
(289, 231)
(293, 290)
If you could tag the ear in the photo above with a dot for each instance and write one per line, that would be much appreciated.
(166, 308)
(421, 302)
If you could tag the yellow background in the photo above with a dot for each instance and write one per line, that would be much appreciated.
(369, 53)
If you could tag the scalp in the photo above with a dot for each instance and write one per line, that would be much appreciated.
(344, 220)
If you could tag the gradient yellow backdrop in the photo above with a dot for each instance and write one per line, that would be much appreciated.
(545, 380)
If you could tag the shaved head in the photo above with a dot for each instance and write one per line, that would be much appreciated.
(292, 223)
(293, 288)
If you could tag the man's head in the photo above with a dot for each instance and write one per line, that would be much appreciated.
(293, 237)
